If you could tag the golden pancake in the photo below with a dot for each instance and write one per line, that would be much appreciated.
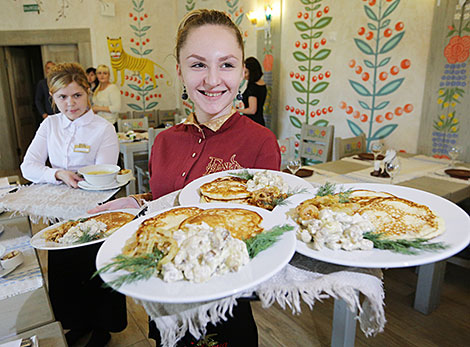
(114, 220)
(241, 223)
(164, 223)
(225, 188)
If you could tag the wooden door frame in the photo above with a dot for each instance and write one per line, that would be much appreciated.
(80, 37)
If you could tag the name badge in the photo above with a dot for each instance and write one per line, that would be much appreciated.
(81, 147)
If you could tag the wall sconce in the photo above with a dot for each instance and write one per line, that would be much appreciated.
(257, 16)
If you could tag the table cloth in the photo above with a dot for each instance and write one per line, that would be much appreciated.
(49, 202)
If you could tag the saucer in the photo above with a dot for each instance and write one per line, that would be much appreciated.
(87, 186)
(4, 272)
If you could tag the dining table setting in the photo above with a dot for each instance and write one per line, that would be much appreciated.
(288, 271)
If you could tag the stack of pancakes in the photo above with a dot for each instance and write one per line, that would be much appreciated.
(393, 217)
(234, 190)
(157, 231)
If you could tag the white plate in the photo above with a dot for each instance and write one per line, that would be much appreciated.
(87, 186)
(2, 250)
(190, 193)
(4, 272)
(259, 269)
(456, 235)
(37, 241)
(2, 228)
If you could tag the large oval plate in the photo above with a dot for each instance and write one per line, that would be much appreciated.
(37, 241)
(190, 193)
(456, 235)
(259, 269)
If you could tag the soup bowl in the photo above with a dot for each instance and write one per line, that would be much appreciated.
(100, 175)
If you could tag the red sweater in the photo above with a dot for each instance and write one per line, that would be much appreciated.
(184, 152)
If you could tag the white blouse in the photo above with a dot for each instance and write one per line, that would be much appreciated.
(69, 145)
(110, 97)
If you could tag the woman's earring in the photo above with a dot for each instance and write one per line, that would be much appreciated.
(239, 96)
(184, 96)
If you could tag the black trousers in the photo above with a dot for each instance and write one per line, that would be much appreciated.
(236, 331)
(78, 301)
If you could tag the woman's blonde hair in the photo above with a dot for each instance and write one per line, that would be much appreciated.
(200, 17)
(61, 75)
(101, 67)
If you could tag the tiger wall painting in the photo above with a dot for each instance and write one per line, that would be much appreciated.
(120, 61)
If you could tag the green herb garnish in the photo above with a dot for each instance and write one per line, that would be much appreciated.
(140, 268)
(330, 188)
(245, 174)
(326, 189)
(86, 237)
(262, 241)
(409, 247)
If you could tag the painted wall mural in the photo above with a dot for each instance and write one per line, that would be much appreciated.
(379, 77)
(310, 78)
(452, 84)
(141, 83)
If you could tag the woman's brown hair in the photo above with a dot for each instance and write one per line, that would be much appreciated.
(200, 17)
(61, 75)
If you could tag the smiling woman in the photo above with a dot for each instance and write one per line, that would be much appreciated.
(209, 50)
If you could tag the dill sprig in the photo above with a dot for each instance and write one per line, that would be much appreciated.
(409, 247)
(245, 174)
(87, 237)
(140, 268)
(326, 189)
(262, 241)
(330, 188)
(281, 201)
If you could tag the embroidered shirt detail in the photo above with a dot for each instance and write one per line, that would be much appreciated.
(218, 164)
(213, 124)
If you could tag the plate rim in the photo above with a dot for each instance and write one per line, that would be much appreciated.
(423, 258)
(112, 186)
(37, 236)
(288, 238)
(184, 198)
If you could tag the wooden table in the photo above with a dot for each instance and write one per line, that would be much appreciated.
(128, 149)
(430, 276)
(30, 310)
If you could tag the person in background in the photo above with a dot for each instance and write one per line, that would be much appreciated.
(42, 99)
(209, 53)
(107, 97)
(92, 80)
(73, 138)
(254, 95)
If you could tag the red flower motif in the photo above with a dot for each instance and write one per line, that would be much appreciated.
(283, 149)
(458, 49)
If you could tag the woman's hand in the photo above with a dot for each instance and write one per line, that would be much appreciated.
(68, 177)
(127, 202)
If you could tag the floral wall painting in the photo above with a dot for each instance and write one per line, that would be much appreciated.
(452, 83)
(309, 77)
(144, 73)
(379, 73)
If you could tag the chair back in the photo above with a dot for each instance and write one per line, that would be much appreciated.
(152, 134)
(166, 117)
(316, 143)
(349, 146)
(125, 125)
(150, 115)
(125, 115)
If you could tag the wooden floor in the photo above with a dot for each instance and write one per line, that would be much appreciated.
(449, 325)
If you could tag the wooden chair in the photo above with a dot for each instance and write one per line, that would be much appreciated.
(125, 115)
(167, 116)
(349, 146)
(141, 168)
(125, 125)
(316, 143)
(150, 115)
